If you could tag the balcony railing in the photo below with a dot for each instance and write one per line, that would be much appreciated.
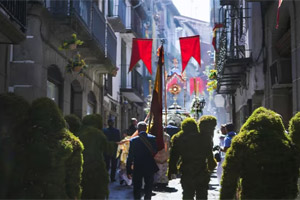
(137, 82)
(92, 20)
(118, 10)
(16, 10)
(111, 45)
(135, 24)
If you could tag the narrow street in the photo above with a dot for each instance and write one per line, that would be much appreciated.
(118, 191)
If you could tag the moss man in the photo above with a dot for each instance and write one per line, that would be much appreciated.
(13, 126)
(54, 155)
(95, 176)
(294, 133)
(197, 160)
(261, 159)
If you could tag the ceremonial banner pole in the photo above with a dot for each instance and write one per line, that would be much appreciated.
(165, 83)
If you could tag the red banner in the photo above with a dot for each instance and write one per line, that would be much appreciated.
(190, 47)
(141, 50)
(199, 87)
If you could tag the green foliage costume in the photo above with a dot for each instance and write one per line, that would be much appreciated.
(95, 176)
(54, 155)
(13, 119)
(262, 159)
(74, 123)
(196, 155)
(207, 124)
(294, 133)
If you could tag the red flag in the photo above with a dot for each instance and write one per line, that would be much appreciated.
(277, 19)
(191, 85)
(156, 104)
(217, 26)
(141, 49)
(199, 87)
(190, 46)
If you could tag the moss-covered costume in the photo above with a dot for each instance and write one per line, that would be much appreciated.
(95, 176)
(196, 155)
(54, 155)
(13, 126)
(74, 123)
(261, 159)
(294, 133)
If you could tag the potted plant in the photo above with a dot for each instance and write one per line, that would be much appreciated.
(71, 44)
(76, 64)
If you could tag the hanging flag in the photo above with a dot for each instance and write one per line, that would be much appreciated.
(197, 85)
(217, 26)
(192, 81)
(141, 50)
(190, 47)
(157, 104)
(277, 20)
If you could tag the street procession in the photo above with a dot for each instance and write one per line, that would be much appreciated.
(149, 99)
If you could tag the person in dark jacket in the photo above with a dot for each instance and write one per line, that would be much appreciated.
(171, 129)
(141, 151)
(113, 135)
(132, 128)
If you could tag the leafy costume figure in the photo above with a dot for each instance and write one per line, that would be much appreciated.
(294, 133)
(54, 155)
(74, 123)
(13, 126)
(207, 125)
(262, 159)
(95, 176)
(197, 160)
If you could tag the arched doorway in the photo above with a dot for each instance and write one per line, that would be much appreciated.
(76, 98)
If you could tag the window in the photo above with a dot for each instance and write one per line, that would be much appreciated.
(54, 85)
(92, 103)
(53, 92)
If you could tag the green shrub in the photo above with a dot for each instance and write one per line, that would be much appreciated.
(54, 155)
(95, 176)
(13, 120)
(262, 159)
(74, 123)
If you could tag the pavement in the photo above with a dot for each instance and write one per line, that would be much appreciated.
(118, 191)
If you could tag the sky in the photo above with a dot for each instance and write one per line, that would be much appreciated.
(198, 9)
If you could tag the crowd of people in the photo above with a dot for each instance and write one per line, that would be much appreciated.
(46, 155)
(260, 161)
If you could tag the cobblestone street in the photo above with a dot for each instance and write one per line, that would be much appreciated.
(125, 192)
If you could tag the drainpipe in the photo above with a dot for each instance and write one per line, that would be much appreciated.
(233, 110)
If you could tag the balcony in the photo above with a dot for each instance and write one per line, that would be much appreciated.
(229, 2)
(117, 15)
(85, 18)
(232, 64)
(13, 21)
(134, 91)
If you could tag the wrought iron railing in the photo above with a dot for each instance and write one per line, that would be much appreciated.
(137, 82)
(16, 10)
(92, 18)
